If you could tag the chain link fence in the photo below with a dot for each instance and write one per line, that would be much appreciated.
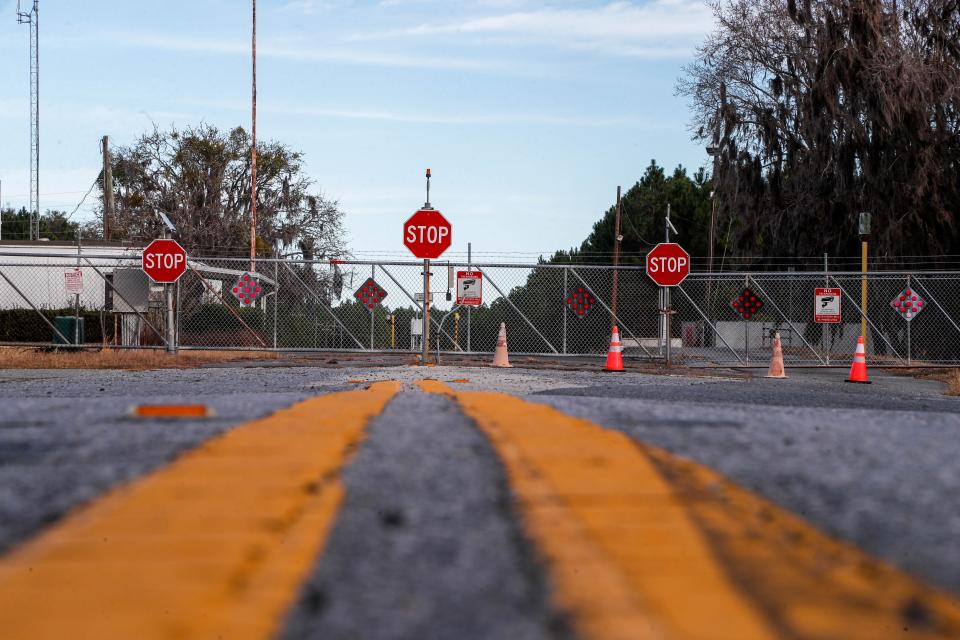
(548, 309)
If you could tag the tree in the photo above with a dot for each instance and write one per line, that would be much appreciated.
(826, 108)
(200, 178)
(642, 210)
(54, 225)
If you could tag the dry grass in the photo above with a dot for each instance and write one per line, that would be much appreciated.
(953, 383)
(950, 377)
(131, 359)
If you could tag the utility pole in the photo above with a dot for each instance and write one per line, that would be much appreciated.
(425, 357)
(616, 261)
(107, 188)
(253, 149)
(32, 18)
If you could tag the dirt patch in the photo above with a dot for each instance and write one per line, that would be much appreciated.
(131, 359)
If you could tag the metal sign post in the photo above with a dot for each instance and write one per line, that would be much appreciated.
(426, 310)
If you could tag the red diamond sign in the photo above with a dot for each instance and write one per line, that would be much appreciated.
(370, 294)
(580, 302)
(908, 304)
(747, 304)
(247, 289)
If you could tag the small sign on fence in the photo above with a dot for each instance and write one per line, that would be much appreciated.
(73, 281)
(908, 304)
(470, 288)
(826, 305)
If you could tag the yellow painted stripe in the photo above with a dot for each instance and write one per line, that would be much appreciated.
(627, 560)
(814, 586)
(215, 545)
(642, 543)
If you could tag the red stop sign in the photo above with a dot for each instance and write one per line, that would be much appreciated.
(164, 260)
(427, 234)
(668, 264)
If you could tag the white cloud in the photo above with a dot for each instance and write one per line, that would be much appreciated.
(305, 53)
(309, 7)
(489, 119)
(654, 29)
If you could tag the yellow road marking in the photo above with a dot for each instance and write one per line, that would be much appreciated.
(644, 544)
(214, 545)
(815, 586)
(627, 560)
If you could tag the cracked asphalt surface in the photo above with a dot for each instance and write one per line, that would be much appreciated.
(426, 506)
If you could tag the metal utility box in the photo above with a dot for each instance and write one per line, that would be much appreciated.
(131, 291)
(68, 326)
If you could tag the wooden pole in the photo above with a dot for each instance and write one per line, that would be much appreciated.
(253, 149)
(107, 188)
(616, 262)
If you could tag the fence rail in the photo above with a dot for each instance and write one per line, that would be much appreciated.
(310, 305)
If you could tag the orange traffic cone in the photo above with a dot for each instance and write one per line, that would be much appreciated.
(615, 354)
(858, 372)
(776, 361)
(500, 358)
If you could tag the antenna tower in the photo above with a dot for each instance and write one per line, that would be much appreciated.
(31, 18)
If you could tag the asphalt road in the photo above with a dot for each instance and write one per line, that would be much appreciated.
(427, 503)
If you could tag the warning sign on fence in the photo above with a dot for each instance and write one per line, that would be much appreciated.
(470, 288)
(73, 281)
(826, 305)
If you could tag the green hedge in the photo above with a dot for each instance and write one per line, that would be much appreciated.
(24, 325)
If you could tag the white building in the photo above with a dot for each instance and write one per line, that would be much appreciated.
(37, 269)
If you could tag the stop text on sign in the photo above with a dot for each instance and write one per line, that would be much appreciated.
(431, 235)
(164, 260)
(668, 264)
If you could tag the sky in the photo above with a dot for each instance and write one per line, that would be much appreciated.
(528, 112)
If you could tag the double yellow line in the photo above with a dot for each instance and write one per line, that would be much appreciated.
(642, 544)
(637, 543)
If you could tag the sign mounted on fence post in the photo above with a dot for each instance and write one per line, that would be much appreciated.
(668, 264)
(826, 305)
(164, 260)
(73, 281)
(470, 288)
(908, 304)
(427, 234)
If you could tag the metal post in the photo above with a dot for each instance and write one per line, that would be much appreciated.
(746, 333)
(564, 312)
(76, 312)
(825, 327)
(666, 299)
(909, 354)
(373, 276)
(276, 299)
(469, 318)
(425, 338)
(171, 339)
(863, 288)
(393, 331)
